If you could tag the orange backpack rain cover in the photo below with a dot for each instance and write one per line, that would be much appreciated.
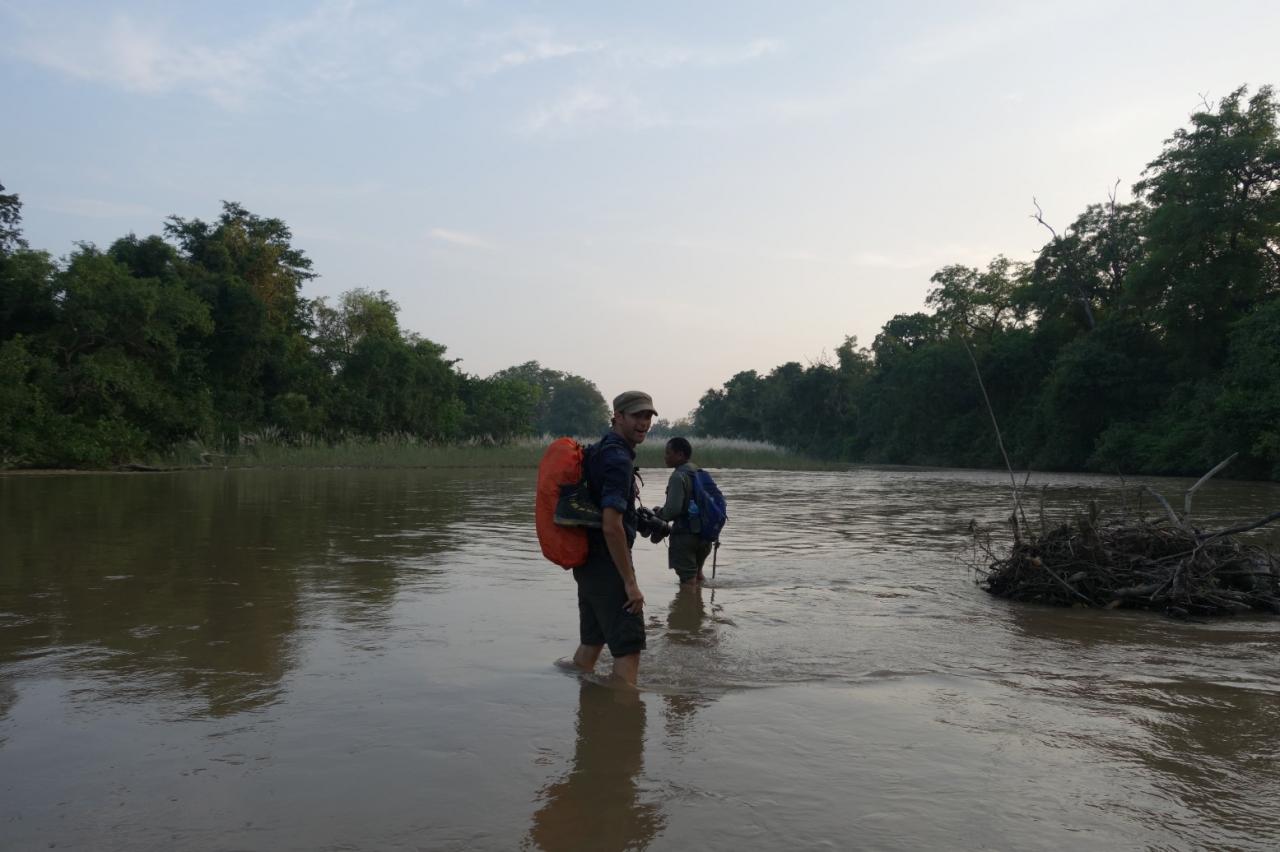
(561, 465)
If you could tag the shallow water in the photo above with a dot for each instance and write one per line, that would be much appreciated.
(331, 660)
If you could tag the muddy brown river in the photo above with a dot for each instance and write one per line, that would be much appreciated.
(363, 660)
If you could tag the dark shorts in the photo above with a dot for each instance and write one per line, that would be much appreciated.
(601, 617)
(686, 555)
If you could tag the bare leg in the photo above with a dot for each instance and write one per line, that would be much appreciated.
(627, 668)
(586, 655)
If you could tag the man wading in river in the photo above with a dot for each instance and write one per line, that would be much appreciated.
(610, 605)
(687, 551)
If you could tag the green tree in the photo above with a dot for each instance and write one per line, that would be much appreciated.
(10, 223)
(566, 404)
(922, 404)
(359, 313)
(665, 428)
(498, 409)
(398, 385)
(27, 293)
(980, 303)
(246, 270)
(1115, 376)
(902, 334)
(1213, 235)
(1246, 417)
(1079, 276)
(732, 411)
(104, 381)
(26, 277)
(577, 408)
(26, 420)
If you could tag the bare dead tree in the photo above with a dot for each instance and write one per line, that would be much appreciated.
(1080, 296)
(1039, 217)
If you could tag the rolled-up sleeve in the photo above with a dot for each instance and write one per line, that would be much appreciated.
(616, 480)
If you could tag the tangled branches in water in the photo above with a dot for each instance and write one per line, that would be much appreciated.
(1164, 565)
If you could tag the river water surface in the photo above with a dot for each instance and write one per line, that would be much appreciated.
(363, 660)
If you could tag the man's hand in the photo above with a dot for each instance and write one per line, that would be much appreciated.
(615, 537)
(635, 600)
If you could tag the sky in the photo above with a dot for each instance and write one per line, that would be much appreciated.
(651, 195)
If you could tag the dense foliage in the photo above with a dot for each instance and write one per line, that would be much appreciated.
(1143, 338)
(203, 334)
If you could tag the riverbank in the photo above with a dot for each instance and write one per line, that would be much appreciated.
(258, 451)
(525, 453)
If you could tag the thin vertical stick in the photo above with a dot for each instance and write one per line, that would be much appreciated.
(1017, 503)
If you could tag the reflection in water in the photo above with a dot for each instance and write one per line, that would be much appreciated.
(688, 625)
(686, 621)
(597, 804)
(8, 697)
(196, 585)
(341, 659)
(1193, 735)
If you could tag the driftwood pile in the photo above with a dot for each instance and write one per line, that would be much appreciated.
(1165, 564)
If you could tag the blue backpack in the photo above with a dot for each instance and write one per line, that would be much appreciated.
(706, 503)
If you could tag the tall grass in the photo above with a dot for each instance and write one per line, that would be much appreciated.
(270, 449)
(735, 453)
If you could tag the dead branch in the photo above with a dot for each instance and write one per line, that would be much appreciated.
(1173, 516)
(1039, 217)
(1186, 505)
(1274, 516)
(1113, 562)
(1111, 195)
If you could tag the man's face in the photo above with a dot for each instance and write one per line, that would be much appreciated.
(672, 457)
(633, 427)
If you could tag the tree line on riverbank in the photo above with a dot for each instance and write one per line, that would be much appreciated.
(1144, 337)
(202, 334)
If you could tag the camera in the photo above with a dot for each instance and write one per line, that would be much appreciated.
(651, 526)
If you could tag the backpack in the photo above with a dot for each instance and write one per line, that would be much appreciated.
(560, 475)
(707, 504)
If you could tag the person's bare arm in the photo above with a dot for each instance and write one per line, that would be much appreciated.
(615, 537)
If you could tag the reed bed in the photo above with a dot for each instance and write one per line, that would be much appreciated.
(269, 448)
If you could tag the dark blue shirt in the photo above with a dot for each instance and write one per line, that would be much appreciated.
(610, 467)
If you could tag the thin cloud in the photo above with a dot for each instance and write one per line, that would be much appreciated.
(130, 55)
(93, 208)
(572, 107)
(704, 56)
(461, 238)
(523, 47)
(608, 99)
(336, 45)
(396, 56)
(587, 106)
